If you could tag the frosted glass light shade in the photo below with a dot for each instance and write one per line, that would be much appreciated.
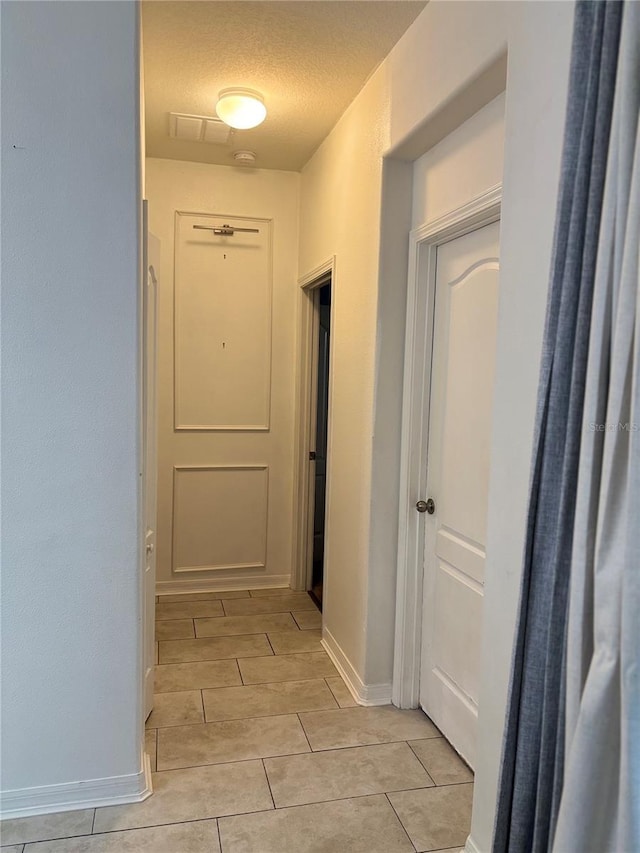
(241, 108)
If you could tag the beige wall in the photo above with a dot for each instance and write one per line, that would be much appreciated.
(199, 188)
(347, 198)
(340, 215)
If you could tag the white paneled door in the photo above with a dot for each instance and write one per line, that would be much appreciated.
(462, 377)
(150, 332)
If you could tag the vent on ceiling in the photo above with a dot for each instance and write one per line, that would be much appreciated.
(198, 129)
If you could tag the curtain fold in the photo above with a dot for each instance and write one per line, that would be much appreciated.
(600, 806)
(534, 743)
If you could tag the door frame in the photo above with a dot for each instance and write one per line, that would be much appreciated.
(307, 324)
(423, 244)
(149, 457)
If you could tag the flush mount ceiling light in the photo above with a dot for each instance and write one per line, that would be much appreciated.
(241, 108)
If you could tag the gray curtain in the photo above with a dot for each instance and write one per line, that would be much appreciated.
(600, 805)
(533, 749)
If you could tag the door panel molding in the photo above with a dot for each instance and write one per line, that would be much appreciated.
(454, 704)
(423, 243)
(261, 362)
(453, 549)
(247, 517)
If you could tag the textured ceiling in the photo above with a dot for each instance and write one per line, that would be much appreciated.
(309, 58)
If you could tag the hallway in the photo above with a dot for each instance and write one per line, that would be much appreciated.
(258, 747)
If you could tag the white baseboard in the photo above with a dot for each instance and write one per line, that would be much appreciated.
(88, 794)
(364, 694)
(470, 846)
(223, 584)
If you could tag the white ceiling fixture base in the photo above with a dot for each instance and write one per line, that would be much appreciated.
(244, 158)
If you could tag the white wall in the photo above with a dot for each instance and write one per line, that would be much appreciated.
(465, 164)
(384, 498)
(430, 74)
(535, 109)
(447, 46)
(431, 70)
(200, 188)
(70, 582)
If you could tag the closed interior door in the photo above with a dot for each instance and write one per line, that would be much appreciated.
(461, 397)
(150, 462)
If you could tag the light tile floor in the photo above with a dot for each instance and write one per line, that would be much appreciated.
(258, 747)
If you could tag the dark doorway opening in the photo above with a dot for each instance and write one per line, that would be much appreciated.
(322, 417)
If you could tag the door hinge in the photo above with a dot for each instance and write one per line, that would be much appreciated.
(312, 455)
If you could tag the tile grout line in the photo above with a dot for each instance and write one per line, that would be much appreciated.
(177, 619)
(186, 616)
(257, 716)
(350, 797)
(404, 828)
(227, 763)
(305, 732)
(332, 748)
(145, 826)
(220, 636)
(249, 719)
(225, 615)
(237, 663)
(43, 840)
(273, 652)
(264, 768)
(212, 660)
(295, 622)
(238, 814)
(435, 784)
(355, 745)
(93, 822)
(333, 695)
(295, 754)
(283, 681)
